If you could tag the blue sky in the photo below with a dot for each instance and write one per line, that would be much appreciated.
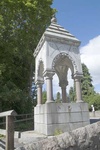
(82, 19)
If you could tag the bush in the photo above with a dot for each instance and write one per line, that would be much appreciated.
(95, 101)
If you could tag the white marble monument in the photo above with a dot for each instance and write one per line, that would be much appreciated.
(56, 52)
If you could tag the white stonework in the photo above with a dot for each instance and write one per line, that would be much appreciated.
(50, 117)
(57, 47)
(56, 52)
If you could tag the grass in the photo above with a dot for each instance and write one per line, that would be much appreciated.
(1, 136)
(57, 132)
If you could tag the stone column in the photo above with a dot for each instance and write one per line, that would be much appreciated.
(63, 89)
(39, 94)
(49, 89)
(63, 94)
(78, 89)
(49, 75)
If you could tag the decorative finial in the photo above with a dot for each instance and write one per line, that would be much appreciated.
(54, 20)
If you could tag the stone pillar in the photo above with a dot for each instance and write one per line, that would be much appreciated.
(63, 85)
(39, 93)
(49, 75)
(63, 94)
(78, 89)
(9, 133)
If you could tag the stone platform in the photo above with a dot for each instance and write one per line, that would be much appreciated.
(54, 117)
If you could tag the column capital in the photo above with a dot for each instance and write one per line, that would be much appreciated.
(77, 76)
(63, 83)
(39, 82)
(48, 73)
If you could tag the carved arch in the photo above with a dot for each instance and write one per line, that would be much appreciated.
(62, 56)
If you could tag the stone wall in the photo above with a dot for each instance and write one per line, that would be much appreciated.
(85, 138)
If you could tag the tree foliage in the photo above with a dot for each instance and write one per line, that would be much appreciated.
(22, 23)
(95, 101)
(72, 94)
(58, 97)
(44, 97)
(86, 83)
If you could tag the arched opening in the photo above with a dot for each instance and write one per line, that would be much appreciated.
(57, 88)
(62, 64)
(64, 59)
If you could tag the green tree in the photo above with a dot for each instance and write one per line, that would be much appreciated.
(44, 97)
(22, 22)
(58, 97)
(86, 83)
(95, 101)
(72, 94)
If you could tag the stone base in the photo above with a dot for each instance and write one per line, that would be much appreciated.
(50, 118)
